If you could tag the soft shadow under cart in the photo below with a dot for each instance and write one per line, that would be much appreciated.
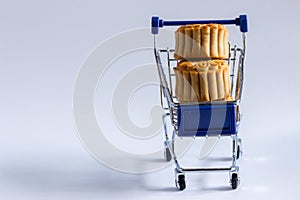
(213, 118)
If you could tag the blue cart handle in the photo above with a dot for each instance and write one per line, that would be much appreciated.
(241, 21)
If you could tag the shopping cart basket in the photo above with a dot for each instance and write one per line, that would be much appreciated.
(201, 119)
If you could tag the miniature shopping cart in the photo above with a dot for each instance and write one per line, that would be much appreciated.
(201, 119)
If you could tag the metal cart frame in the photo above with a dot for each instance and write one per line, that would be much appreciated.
(176, 111)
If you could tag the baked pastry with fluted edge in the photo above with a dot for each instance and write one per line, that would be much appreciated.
(202, 81)
(201, 41)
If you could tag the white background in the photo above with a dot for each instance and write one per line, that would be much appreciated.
(42, 45)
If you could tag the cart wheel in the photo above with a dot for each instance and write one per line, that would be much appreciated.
(238, 153)
(234, 181)
(180, 182)
(168, 155)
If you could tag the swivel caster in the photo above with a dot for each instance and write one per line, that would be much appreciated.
(234, 181)
(168, 156)
(239, 151)
(180, 180)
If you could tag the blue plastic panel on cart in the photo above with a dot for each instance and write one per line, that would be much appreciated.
(210, 119)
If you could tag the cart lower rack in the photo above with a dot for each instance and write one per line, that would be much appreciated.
(201, 119)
